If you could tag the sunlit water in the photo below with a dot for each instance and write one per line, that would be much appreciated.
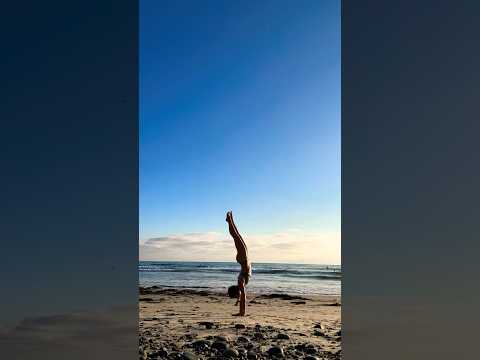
(267, 278)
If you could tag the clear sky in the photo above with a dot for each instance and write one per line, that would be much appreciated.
(240, 110)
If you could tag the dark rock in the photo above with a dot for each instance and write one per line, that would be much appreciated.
(242, 352)
(319, 326)
(319, 333)
(189, 336)
(162, 353)
(281, 296)
(338, 333)
(188, 356)
(283, 337)
(220, 345)
(230, 353)
(239, 326)
(310, 349)
(310, 357)
(276, 351)
(298, 302)
(334, 304)
(243, 339)
(251, 355)
(221, 338)
(259, 336)
(201, 344)
(207, 324)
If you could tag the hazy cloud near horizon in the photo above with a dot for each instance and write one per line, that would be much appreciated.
(293, 245)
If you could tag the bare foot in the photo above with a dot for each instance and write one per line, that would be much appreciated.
(229, 216)
(239, 314)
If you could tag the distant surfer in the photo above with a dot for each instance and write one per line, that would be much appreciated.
(239, 291)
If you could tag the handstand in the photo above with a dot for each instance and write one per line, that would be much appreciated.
(239, 291)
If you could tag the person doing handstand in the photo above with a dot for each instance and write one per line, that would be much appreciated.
(239, 291)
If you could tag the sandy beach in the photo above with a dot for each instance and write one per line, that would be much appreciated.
(192, 324)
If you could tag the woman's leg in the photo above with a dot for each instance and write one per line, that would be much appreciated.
(239, 243)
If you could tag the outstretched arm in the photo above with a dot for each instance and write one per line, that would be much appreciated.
(243, 297)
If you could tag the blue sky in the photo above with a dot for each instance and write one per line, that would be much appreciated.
(240, 110)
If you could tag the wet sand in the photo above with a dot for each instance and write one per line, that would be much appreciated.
(187, 324)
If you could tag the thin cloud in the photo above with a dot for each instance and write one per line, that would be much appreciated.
(292, 245)
(284, 245)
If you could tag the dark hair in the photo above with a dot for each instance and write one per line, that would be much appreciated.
(233, 291)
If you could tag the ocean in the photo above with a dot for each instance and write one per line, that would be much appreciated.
(266, 277)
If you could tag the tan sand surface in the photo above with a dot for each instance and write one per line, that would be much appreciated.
(171, 323)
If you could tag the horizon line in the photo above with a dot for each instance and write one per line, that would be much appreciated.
(229, 261)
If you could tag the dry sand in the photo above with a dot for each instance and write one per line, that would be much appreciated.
(187, 324)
